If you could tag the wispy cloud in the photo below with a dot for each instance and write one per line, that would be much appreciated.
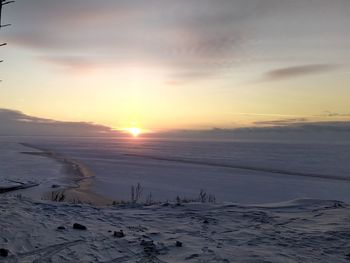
(265, 114)
(299, 71)
(334, 114)
(188, 38)
(286, 131)
(290, 120)
(282, 122)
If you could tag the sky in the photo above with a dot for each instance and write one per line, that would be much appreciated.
(163, 64)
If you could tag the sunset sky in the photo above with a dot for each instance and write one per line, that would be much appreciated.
(165, 64)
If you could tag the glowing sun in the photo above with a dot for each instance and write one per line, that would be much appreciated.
(134, 131)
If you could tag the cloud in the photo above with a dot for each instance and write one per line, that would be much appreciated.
(334, 114)
(299, 71)
(18, 123)
(292, 130)
(189, 39)
(74, 61)
(297, 126)
(282, 122)
(181, 36)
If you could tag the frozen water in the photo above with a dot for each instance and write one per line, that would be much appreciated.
(245, 172)
(15, 166)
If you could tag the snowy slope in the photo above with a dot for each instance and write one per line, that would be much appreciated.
(297, 231)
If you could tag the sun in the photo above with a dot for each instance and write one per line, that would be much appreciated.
(134, 131)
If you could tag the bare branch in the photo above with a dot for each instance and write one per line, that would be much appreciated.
(7, 2)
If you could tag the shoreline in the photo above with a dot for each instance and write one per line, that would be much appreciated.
(81, 176)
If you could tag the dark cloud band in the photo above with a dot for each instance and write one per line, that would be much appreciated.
(298, 71)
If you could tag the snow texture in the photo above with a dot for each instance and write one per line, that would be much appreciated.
(306, 230)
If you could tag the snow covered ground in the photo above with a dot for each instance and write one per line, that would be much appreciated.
(296, 231)
(241, 227)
